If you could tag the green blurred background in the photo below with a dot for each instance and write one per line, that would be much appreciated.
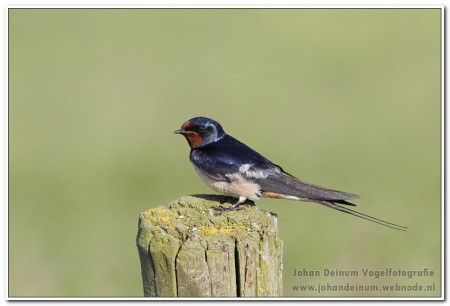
(344, 98)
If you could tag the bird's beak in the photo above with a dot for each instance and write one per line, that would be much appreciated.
(181, 131)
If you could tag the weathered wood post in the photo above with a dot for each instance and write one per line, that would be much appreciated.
(189, 249)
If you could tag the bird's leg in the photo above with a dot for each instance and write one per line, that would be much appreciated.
(235, 206)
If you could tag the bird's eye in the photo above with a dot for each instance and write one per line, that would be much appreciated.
(201, 128)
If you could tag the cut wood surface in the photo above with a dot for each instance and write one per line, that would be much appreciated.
(190, 249)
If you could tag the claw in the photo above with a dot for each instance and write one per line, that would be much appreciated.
(232, 207)
(224, 209)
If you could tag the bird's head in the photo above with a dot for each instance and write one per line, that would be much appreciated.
(201, 131)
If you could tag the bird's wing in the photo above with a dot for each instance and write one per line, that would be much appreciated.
(215, 168)
(288, 185)
(230, 159)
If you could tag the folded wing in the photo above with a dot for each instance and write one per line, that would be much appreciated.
(288, 185)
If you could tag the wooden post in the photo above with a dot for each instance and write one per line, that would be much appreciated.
(189, 249)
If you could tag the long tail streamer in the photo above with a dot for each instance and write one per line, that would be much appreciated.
(360, 215)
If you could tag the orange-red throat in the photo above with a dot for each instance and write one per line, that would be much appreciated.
(193, 138)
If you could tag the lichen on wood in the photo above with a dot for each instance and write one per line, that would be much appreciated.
(191, 249)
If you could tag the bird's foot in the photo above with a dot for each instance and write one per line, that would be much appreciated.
(232, 207)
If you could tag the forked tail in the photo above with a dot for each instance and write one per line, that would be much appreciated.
(358, 214)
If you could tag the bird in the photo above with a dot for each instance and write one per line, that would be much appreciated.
(232, 168)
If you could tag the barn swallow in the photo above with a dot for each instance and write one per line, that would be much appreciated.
(232, 168)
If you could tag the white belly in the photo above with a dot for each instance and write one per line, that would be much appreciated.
(238, 187)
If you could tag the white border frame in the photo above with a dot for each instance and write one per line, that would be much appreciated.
(211, 4)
